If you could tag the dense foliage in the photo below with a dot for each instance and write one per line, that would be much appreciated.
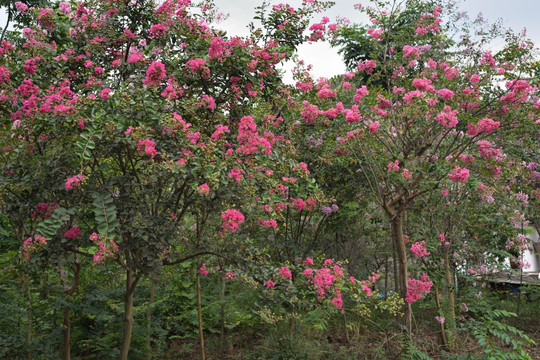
(162, 184)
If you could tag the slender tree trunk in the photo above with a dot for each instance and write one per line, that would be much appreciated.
(397, 235)
(386, 278)
(222, 313)
(199, 309)
(128, 315)
(69, 289)
(67, 335)
(395, 265)
(291, 328)
(443, 331)
(153, 282)
(451, 300)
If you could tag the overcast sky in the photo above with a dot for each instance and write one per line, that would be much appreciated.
(517, 14)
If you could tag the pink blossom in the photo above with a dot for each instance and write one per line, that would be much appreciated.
(21, 7)
(74, 182)
(45, 18)
(73, 233)
(459, 174)
(155, 74)
(65, 7)
(393, 166)
(475, 78)
(308, 273)
(4, 75)
(411, 51)
(298, 204)
(285, 272)
(417, 287)
(373, 128)
(203, 271)
(134, 57)
(236, 174)
(157, 30)
(149, 147)
(30, 66)
(486, 150)
(204, 189)
(232, 219)
(419, 249)
(405, 173)
(268, 223)
(360, 94)
(32, 245)
(445, 94)
(447, 117)
(337, 302)
(208, 101)
(421, 84)
(270, 284)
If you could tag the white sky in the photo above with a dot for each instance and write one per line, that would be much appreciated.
(516, 14)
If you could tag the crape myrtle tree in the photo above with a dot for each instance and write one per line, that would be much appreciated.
(421, 120)
(125, 121)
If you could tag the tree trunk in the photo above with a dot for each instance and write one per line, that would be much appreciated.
(222, 313)
(395, 265)
(199, 309)
(128, 315)
(386, 278)
(67, 335)
(69, 289)
(443, 331)
(451, 301)
(397, 235)
(153, 281)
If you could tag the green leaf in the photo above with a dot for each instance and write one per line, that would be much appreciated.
(49, 227)
(105, 213)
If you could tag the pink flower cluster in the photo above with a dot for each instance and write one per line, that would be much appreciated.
(268, 223)
(44, 210)
(155, 74)
(149, 147)
(236, 174)
(73, 233)
(417, 287)
(104, 251)
(485, 148)
(419, 249)
(203, 271)
(220, 130)
(374, 127)
(249, 139)
(204, 189)
(232, 219)
(368, 66)
(411, 51)
(198, 66)
(393, 166)
(45, 19)
(447, 117)
(285, 272)
(32, 245)
(459, 174)
(484, 125)
(74, 182)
